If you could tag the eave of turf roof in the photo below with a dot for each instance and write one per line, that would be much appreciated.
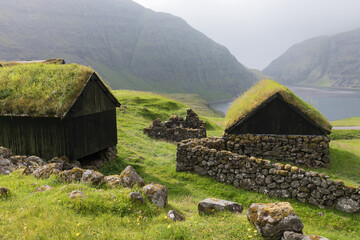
(40, 89)
(263, 90)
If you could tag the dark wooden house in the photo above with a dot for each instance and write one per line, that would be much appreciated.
(63, 110)
(270, 108)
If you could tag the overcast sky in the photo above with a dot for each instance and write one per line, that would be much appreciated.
(259, 31)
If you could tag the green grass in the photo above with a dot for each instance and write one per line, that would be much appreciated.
(353, 121)
(345, 134)
(38, 89)
(259, 93)
(52, 215)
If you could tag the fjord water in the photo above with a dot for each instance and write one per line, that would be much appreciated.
(334, 104)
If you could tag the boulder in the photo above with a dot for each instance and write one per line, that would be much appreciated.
(156, 193)
(5, 152)
(113, 181)
(129, 177)
(288, 235)
(210, 205)
(92, 177)
(137, 197)
(72, 175)
(34, 161)
(76, 194)
(347, 205)
(44, 188)
(46, 170)
(273, 219)
(6, 166)
(4, 192)
(173, 215)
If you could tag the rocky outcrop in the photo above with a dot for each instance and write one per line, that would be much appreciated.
(288, 235)
(130, 178)
(273, 219)
(177, 129)
(207, 157)
(92, 177)
(346, 204)
(212, 205)
(76, 194)
(4, 192)
(157, 194)
(137, 197)
(44, 188)
(175, 216)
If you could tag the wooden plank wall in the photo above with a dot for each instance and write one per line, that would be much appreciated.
(44, 137)
(277, 118)
(92, 133)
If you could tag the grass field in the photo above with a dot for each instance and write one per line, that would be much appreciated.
(108, 213)
(353, 121)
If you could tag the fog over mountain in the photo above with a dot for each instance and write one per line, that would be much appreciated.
(258, 31)
(330, 61)
(130, 46)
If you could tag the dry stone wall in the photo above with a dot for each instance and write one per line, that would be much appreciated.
(309, 150)
(208, 157)
(177, 128)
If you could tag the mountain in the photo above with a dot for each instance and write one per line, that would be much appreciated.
(132, 47)
(322, 61)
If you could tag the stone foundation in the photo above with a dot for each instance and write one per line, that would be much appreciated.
(310, 151)
(177, 129)
(207, 157)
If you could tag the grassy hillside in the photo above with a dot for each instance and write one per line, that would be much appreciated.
(321, 61)
(51, 215)
(132, 47)
(353, 121)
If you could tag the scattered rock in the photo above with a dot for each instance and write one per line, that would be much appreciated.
(129, 177)
(92, 177)
(156, 193)
(113, 181)
(173, 215)
(320, 214)
(288, 235)
(347, 205)
(273, 219)
(72, 175)
(76, 194)
(137, 197)
(4, 192)
(211, 205)
(44, 188)
(46, 170)
(5, 152)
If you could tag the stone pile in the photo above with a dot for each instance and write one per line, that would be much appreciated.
(177, 129)
(311, 151)
(259, 175)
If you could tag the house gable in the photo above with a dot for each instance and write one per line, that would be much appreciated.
(276, 116)
(94, 98)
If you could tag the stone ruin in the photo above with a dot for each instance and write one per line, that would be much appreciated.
(177, 128)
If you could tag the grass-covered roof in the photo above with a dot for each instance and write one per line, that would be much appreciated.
(263, 90)
(40, 89)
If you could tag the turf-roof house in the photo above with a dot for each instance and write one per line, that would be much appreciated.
(48, 108)
(271, 108)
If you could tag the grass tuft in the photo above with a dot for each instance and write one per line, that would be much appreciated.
(38, 89)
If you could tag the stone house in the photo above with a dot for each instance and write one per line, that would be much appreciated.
(270, 121)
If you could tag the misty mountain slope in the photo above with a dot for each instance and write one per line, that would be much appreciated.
(130, 46)
(322, 61)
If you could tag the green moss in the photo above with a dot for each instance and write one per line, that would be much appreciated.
(263, 90)
(40, 89)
